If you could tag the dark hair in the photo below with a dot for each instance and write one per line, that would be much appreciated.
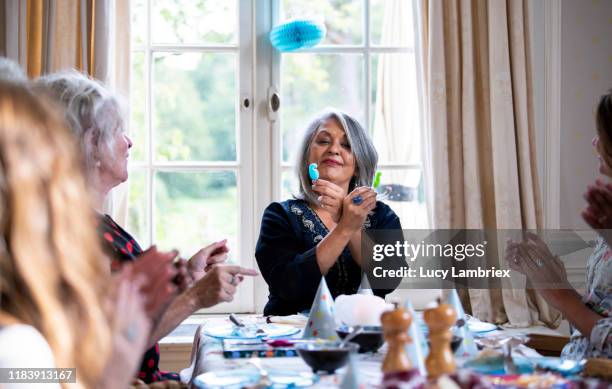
(603, 121)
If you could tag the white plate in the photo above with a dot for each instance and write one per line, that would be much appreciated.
(239, 378)
(230, 331)
(480, 326)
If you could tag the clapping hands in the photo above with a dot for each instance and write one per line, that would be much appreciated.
(532, 258)
(598, 213)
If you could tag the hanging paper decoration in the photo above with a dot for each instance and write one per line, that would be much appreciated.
(295, 34)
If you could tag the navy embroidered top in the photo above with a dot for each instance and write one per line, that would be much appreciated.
(286, 255)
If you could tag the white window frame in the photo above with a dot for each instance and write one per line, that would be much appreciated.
(242, 167)
(259, 165)
(270, 166)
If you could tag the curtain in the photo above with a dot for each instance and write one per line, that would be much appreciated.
(479, 152)
(92, 36)
(396, 112)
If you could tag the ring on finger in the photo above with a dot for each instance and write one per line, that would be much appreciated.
(233, 281)
(357, 200)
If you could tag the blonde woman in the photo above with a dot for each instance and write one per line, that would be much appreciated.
(55, 286)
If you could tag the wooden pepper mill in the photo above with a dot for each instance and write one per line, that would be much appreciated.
(439, 320)
(395, 328)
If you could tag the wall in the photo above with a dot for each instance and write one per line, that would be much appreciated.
(586, 74)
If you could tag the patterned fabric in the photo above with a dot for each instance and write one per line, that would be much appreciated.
(286, 255)
(598, 297)
(122, 247)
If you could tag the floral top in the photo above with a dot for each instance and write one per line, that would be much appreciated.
(122, 247)
(286, 255)
(598, 297)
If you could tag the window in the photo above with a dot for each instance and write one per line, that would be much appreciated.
(191, 174)
(366, 67)
(204, 163)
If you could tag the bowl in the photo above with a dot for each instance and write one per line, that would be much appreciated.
(369, 340)
(455, 343)
(325, 356)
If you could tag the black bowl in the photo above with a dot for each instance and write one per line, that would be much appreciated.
(369, 340)
(325, 356)
(455, 343)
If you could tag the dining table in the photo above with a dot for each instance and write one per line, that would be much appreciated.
(208, 357)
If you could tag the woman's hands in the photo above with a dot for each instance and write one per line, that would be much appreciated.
(598, 214)
(354, 215)
(202, 261)
(331, 197)
(156, 271)
(130, 328)
(219, 284)
(532, 258)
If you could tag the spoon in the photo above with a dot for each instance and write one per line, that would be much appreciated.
(356, 331)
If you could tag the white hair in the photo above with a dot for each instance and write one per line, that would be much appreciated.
(92, 112)
(10, 71)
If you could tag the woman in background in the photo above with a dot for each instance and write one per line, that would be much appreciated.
(590, 314)
(319, 233)
(98, 123)
(56, 293)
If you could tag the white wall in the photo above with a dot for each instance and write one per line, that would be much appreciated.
(586, 74)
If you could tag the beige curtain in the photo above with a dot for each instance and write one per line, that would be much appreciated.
(89, 35)
(92, 36)
(479, 141)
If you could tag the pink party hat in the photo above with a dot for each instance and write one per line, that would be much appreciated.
(321, 323)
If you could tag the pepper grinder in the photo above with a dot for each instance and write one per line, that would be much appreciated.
(439, 320)
(395, 328)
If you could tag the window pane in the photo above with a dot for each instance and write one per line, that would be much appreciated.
(343, 18)
(290, 183)
(194, 22)
(312, 82)
(137, 128)
(195, 106)
(138, 222)
(395, 108)
(139, 22)
(391, 23)
(402, 190)
(195, 209)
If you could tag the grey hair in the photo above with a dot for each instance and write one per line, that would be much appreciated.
(10, 71)
(92, 112)
(362, 148)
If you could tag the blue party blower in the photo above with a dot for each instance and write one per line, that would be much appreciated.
(296, 34)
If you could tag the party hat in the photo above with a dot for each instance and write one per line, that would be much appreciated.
(467, 347)
(417, 349)
(364, 287)
(321, 323)
(352, 378)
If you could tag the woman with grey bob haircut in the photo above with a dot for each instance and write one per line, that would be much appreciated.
(366, 156)
(319, 232)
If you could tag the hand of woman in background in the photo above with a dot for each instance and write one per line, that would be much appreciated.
(598, 214)
(354, 215)
(532, 258)
(157, 270)
(331, 197)
(130, 328)
(206, 258)
(219, 284)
